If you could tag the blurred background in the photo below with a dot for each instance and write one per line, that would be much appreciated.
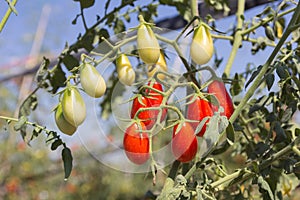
(42, 28)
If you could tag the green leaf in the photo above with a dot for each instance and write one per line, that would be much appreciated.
(21, 123)
(86, 3)
(265, 186)
(119, 26)
(254, 108)
(230, 134)
(216, 125)
(42, 72)
(254, 74)
(28, 105)
(68, 161)
(107, 5)
(57, 78)
(270, 80)
(280, 133)
(70, 61)
(235, 88)
(270, 33)
(56, 144)
(282, 72)
(287, 114)
(36, 131)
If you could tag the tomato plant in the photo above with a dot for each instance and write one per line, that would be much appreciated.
(250, 136)
(136, 143)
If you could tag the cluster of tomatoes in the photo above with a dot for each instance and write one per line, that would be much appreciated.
(149, 106)
(71, 110)
(184, 141)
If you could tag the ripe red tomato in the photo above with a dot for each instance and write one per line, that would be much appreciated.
(218, 89)
(155, 99)
(142, 102)
(136, 143)
(198, 110)
(184, 143)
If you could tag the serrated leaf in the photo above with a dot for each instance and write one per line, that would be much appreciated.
(68, 161)
(56, 144)
(270, 80)
(265, 186)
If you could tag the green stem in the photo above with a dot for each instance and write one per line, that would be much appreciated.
(83, 20)
(195, 10)
(265, 67)
(237, 37)
(6, 16)
(265, 21)
(231, 38)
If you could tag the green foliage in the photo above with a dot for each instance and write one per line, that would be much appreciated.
(246, 156)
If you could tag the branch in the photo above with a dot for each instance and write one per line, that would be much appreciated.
(237, 37)
(7, 14)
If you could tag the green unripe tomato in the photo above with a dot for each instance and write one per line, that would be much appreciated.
(91, 81)
(147, 44)
(202, 47)
(63, 125)
(73, 106)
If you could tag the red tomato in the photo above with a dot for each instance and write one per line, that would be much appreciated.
(142, 102)
(155, 99)
(198, 110)
(184, 143)
(218, 89)
(136, 143)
